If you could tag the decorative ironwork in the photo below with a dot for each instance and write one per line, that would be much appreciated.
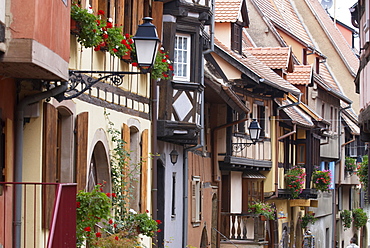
(238, 147)
(79, 82)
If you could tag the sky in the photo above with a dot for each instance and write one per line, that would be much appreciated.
(342, 10)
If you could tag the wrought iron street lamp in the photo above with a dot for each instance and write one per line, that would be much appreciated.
(146, 44)
(254, 131)
(173, 156)
(254, 134)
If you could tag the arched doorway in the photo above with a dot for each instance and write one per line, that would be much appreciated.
(99, 168)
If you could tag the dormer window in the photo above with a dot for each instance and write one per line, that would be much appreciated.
(182, 57)
(236, 37)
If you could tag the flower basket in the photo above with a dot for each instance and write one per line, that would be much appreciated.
(264, 210)
(359, 218)
(294, 179)
(346, 218)
(308, 218)
(321, 180)
(362, 172)
(350, 165)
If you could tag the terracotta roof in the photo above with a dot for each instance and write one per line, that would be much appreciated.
(355, 130)
(338, 41)
(284, 16)
(302, 75)
(296, 114)
(227, 10)
(328, 78)
(265, 74)
(273, 57)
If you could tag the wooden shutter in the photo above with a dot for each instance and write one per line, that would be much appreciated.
(144, 169)
(126, 137)
(193, 201)
(82, 121)
(49, 159)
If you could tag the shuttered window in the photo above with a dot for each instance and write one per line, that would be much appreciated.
(81, 149)
(196, 196)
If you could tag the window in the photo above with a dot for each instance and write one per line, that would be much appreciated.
(196, 196)
(258, 113)
(301, 154)
(182, 58)
(173, 206)
(252, 191)
(236, 37)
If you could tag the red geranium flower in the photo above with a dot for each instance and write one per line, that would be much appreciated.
(135, 64)
(110, 221)
(78, 204)
(159, 230)
(97, 48)
(147, 211)
(109, 25)
(105, 36)
(87, 229)
(159, 222)
(115, 225)
(98, 234)
(108, 194)
(164, 61)
(98, 22)
(114, 195)
(101, 12)
(115, 50)
(116, 238)
(127, 36)
(123, 42)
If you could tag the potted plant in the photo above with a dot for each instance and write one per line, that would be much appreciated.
(308, 218)
(88, 30)
(321, 179)
(144, 224)
(294, 179)
(350, 165)
(263, 209)
(92, 208)
(346, 218)
(359, 218)
(362, 171)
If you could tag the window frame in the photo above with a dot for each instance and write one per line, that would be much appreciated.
(196, 200)
(176, 76)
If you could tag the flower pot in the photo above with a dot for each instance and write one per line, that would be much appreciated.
(263, 218)
(127, 58)
(75, 27)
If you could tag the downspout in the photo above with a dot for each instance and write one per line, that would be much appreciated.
(186, 150)
(18, 160)
(154, 151)
(333, 208)
(280, 138)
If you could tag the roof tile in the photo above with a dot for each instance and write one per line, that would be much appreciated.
(302, 75)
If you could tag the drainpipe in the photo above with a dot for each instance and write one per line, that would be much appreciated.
(333, 208)
(18, 160)
(283, 137)
(154, 151)
(201, 144)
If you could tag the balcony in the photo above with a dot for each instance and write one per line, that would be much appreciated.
(47, 215)
(245, 230)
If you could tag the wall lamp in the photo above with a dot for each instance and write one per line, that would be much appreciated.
(146, 46)
(254, 133)
(174, 156)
